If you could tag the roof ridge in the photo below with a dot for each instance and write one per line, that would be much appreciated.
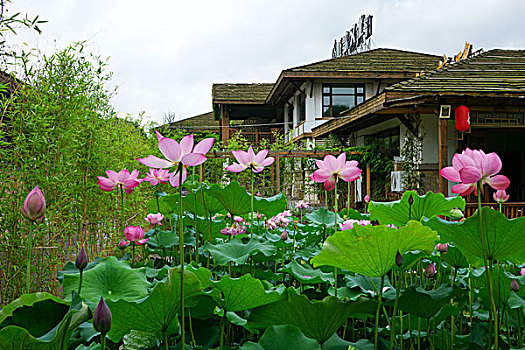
(359, 53)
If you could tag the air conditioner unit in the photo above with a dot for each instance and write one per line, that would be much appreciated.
(396, 182)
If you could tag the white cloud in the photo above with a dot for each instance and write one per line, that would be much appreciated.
(166, 54)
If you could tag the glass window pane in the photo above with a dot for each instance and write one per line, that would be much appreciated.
(347, 90)
(341, 103)
(326, 89)
(360, 99)
(360, 89)
(326, 111)
(326, 100)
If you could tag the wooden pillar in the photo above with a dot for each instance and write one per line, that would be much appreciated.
(225, 124)
(351, 194)
(278, 172)
(272, 176)
(442, 154)
(368, 181)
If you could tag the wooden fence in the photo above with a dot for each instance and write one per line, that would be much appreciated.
(509, 209)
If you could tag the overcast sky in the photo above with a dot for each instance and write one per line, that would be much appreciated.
(166, 55)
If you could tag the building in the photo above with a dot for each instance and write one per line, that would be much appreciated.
(390, 94)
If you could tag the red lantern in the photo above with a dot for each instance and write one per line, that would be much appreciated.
(462, 118)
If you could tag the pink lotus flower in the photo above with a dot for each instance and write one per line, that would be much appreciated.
(34, 205)
(349, 224)
(301, 204)
(157, 176)
(154, 219)
(122, 178)
(135, 234)
(501, 196)
(176, 154)
(256, 162)
(284, 235)
(237, 228)
(522, 271)
(123, 243)
(442, 248)
(472, 166)
(430, 270)
(331, 169)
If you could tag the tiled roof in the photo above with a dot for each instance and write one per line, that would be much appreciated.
(202, 121)
(248, 93)
(494, 71)
(377, 60)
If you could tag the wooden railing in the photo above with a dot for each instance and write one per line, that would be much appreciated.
(254, 137)
(510, 210)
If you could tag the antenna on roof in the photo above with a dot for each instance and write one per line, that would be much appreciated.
(357, 39)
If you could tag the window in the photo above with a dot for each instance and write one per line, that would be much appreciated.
(387, 141)
(340, 97)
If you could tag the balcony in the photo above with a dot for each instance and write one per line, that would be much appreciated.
(254, 137)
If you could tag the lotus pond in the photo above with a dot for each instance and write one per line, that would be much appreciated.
(219, 268)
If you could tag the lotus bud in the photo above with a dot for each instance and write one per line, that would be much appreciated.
(410, 200)
(514, 286)
(102, 317)
(367, 199)
(501, 196)
(430, 270)
(259, 216)
(399, 259)
(34, 205)
(284, 235)
(522, 271)
(82, 260)
(456, 214)
(442, 248)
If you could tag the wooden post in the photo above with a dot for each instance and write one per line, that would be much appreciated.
(225, 124)
(272, 176)
(442, 154)
(368, 181)
(278, 173)
(256, 136)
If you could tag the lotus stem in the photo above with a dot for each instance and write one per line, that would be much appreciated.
(133, 254)
(488, 273)
(157, 198)
(80, 281)
(181, 254)
(221, 346)
(392, 328)
(102, 342)
(380, 296)
(195, 226)
(335, 230)
(165, 336)
(251, 212)
(29, 244)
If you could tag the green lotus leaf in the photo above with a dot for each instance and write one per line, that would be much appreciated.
(316, 319)
(306, 274)
(16, 337)
(282, 337)
(111, 279)
(270, 206)
(454, 257)
(504, 239)
(194, 200)
(164, 239)
(168, 205)
(38, 313)
(400, 212)
(371, 250)
(426, 303)
(354, 214)
(237, 201)
(234, 250)
(244, 293)
(158, 311)
(323, 217)
(70, 268)
(202, 226)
